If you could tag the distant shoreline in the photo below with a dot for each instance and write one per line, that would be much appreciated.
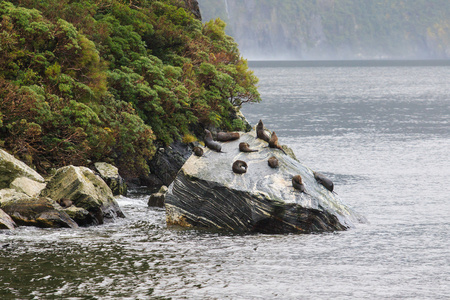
(348, 63)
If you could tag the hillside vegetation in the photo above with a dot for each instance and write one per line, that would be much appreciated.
(84, 81)
(335, 29)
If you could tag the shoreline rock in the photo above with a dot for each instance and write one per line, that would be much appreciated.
(207, 194)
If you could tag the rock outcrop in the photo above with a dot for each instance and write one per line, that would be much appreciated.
(85, 190)
(207, 194)
(110, 174)
(40, 212)
(12, 168)
(6, 222)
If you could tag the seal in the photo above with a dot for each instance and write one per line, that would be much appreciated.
(273, 142)
(273, 162)
(198, 151)
(210, 143)
(227, 136)
(65, 202)
(326, 182)
(297, 183)
(245, 147)
(261, 133)
(239, 167)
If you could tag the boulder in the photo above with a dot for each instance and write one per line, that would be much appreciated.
(157, 199)
(110, 174)
(206, 193)
(5, 221)
(27, 186)
(37, 211)
(86, 190)
(12, 168)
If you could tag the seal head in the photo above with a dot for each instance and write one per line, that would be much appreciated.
(239, 167)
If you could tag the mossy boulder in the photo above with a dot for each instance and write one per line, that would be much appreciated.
(86, 190)
(12, 168)
(110, 174)
(27, 186)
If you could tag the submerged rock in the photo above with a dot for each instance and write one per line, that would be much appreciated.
(110, 174)
(86, 190)
(38, 211)
(207, 194)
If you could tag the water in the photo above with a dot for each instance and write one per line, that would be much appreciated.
(382, 133)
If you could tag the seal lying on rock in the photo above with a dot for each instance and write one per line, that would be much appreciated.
(227, 136)
(297, 183)
(273, 162)
(239, 167)
(198, 151)
(321, 179)
(245, 147)
(210, 143)
(65, 202)
(273, 142)
(260, 132)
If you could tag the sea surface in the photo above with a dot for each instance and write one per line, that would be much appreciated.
(379, 130)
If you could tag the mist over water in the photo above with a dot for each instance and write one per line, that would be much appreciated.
(382, 134)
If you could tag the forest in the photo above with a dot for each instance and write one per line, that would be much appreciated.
(336, 29)
(111, 80)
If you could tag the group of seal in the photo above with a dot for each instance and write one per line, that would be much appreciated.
(240, 167)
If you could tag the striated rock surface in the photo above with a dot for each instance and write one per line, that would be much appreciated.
(40, 212)
(86, 190)
(12, 168)
(110, 174)
(207, 194)
(6, 222)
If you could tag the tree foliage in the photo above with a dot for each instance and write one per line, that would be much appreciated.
(107, 80)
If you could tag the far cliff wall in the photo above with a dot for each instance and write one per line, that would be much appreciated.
(332, 29)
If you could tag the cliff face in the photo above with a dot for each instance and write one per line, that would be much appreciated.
(329, 29)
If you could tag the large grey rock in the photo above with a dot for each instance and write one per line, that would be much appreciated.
(12, 168)
(7, 195)
(27, 186)
(206, 193)
(110, 174)
(86, 190)
(38, 211)
(5, 221)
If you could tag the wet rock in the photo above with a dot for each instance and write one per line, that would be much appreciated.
(12, 168)
(37, 211)
(6, 222)
(80, 215)
(27, 186)
(86, 190)
(207, 194)
(157, 199)
(110, 174)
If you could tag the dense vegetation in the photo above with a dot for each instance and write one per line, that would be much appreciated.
(109, 80)
(336, 28)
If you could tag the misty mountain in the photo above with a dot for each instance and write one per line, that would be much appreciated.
(335, 29)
